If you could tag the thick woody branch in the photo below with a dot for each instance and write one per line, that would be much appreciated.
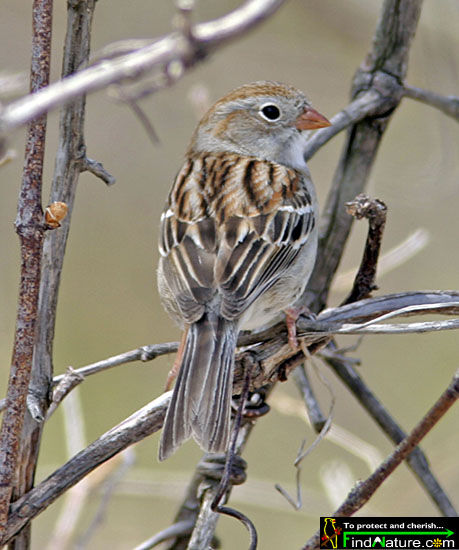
(382, 73)
(182, 49)
(69, 158)
(30, 228)
(360, 495)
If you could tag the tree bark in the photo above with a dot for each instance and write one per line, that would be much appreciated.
(30, 229)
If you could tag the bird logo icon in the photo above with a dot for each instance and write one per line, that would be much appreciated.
(330, 534)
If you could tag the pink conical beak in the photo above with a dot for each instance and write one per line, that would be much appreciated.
(310, 119)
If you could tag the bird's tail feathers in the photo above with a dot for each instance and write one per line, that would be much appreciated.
(201, 401)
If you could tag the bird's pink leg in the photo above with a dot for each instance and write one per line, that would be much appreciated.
(291, 317)
(177, 362)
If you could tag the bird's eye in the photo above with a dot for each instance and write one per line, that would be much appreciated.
(270, 112)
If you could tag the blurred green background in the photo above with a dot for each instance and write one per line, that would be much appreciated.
(109, 304)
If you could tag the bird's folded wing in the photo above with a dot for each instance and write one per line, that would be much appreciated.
(267, 248)
(231, 229)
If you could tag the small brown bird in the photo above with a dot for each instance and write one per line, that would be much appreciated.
(237, 245)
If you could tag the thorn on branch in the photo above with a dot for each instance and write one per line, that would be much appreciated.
(183, 19)
(96, 168)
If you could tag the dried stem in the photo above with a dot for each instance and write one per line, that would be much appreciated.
(375, 211)
(30, 228)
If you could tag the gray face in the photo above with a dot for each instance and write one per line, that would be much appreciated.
(260, 125)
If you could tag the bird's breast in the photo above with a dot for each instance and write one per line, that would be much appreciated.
(228, 185)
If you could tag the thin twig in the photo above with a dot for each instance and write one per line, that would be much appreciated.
(302, 454)
(67, 381)
(447, 104)
(366, 489)
(97, 169)
(144, 353)
(379, 305)
(416, 460)
(368, 104)
(174, 47)
(315, 414)
(132, 102)
(371, 327)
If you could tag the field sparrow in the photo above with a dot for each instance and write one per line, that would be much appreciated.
(237, 245)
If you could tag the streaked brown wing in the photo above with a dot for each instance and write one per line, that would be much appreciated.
(232, 226)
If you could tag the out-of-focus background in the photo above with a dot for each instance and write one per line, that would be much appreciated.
(108, 300)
